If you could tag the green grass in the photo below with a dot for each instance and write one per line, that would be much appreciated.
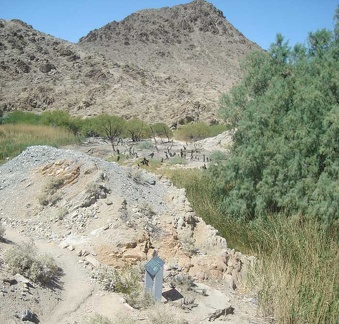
(198, 131)
(201, 193)
(297, 275)
(16, 138)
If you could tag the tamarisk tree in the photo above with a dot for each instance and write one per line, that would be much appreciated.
(285, 112)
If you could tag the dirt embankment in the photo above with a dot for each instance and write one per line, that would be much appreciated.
(85, 212)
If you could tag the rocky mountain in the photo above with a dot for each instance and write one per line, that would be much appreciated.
(169, 64)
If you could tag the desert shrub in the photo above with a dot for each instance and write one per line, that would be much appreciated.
(163, 314)
(146, 209)
(177, 160)
(107, 277)
(145, 145)
(25, 260)
(218, 156)
(161, 130)
(126, 281)
(137, 175)
(99, 319)
(50, 195)
(137, 130)
(183, 281)
(198, 131)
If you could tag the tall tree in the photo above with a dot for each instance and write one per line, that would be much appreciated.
(286, 143)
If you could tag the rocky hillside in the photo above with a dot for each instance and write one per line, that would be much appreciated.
(88, 212)
(193, 41)
(169, 64)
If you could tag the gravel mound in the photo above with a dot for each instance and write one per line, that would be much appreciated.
(135, 185)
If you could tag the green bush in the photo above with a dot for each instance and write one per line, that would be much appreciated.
(127, 282)
(137, 130)
(192, 132)
(145, 145)
(198, 131)
(218, 156)
(285, 152)
(176, 160)
(25, 260)
(21, 117)
(92, 127)
(161, 130)
(60, 118)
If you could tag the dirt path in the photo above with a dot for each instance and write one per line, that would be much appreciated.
(76, 286)
(79, 297)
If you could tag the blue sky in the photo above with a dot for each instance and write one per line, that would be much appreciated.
(258, 20)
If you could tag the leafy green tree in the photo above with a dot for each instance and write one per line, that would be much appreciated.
(280, 50)
(319, 42)
(92, 127)
(161, 130)
(113, 127)
(60, 118)
(336, 25)
(137, 130)
(285, 152)
(192, 132)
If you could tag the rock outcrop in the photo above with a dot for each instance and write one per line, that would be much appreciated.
(96, 209)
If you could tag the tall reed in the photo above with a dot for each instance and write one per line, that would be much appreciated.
(15, 138)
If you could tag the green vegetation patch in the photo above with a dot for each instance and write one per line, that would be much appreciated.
(198, 131)
(14, 138)
(25, 260)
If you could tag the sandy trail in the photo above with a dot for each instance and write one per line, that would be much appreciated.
(77, 291)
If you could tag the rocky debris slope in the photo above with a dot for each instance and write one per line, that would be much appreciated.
(193, 41)
(108, 214)
(169, 64)
(126, 213)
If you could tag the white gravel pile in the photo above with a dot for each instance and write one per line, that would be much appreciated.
(136, 186)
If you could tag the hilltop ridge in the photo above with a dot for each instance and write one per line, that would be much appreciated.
(169, 64)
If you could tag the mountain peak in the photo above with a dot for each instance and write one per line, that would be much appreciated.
(169, 64)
